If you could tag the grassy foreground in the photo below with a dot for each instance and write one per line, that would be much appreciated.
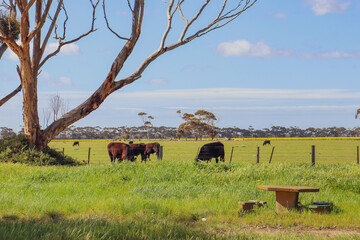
(171, 200)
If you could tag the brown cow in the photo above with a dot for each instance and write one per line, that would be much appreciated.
(135, 150)
(152, 148)
(118, 150)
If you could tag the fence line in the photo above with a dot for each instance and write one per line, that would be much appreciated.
(321, 152)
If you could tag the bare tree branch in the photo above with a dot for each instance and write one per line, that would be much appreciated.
(193, 20)
(61, 43)
(51, 27)
(182, 40)
(108, 25)
(10, 95)
(95, 100)
(41, 23)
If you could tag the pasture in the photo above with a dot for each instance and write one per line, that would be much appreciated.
(179, 199)
(327, 150)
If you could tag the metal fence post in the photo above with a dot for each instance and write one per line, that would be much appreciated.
(161, 152)
(89, 156)
(258, 155)
(272, 152)
(232, 150)
(313, 155)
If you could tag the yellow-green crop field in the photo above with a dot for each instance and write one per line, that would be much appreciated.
(285, 150)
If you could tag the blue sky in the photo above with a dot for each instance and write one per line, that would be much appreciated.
(287, 63)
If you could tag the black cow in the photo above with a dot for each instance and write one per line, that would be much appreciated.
(152, 148)
(135, 150)
(76, 143)
(211, 150)
(266, 142)
(118, 150)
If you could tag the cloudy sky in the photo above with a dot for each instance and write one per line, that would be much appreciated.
(287, 63)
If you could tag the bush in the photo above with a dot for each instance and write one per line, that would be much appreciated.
(17, 150)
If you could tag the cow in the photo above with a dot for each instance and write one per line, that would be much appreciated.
(118, 151)
(76, 143)
(266, 142)
(211, 150)
(152, 148)
(135, 150)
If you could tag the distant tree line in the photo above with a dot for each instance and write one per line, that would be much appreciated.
(143, 132)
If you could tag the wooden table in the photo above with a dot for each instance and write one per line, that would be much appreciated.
(287, 197)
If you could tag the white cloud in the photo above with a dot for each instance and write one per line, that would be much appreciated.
(158, 81)
(195, 68)
(233, 94)
(69, 49)
(329, 55)
(279, 15)
(61, 82)
(322, 7)
(44, 74)
(237, 106)
(242, 48)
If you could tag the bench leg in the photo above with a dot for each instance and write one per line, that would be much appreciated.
(286, 201)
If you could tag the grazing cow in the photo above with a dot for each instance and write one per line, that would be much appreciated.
(118, 151)
(211, 150)
(76, 143)
(266, 142)
(135, 150)
(152, 148)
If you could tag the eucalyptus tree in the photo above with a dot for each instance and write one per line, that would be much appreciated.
(31, 33)
(199, 124)
(146, 119)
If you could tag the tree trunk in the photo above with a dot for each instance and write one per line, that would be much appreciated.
(30, 101)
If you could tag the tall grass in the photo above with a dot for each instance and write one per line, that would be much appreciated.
(166, 199)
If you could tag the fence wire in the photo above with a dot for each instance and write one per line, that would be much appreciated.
(330, 151)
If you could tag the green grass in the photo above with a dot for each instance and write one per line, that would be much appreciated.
(168, 199)
(331, 151)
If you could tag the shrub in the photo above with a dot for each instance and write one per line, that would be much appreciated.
(17, 150)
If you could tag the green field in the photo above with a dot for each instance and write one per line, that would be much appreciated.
(327, 151)
(179, 199)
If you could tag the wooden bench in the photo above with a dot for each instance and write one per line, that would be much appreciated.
(287, 197)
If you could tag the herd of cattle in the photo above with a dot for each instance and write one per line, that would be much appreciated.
(122, 151)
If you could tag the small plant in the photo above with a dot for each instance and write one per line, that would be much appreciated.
(17, 150)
